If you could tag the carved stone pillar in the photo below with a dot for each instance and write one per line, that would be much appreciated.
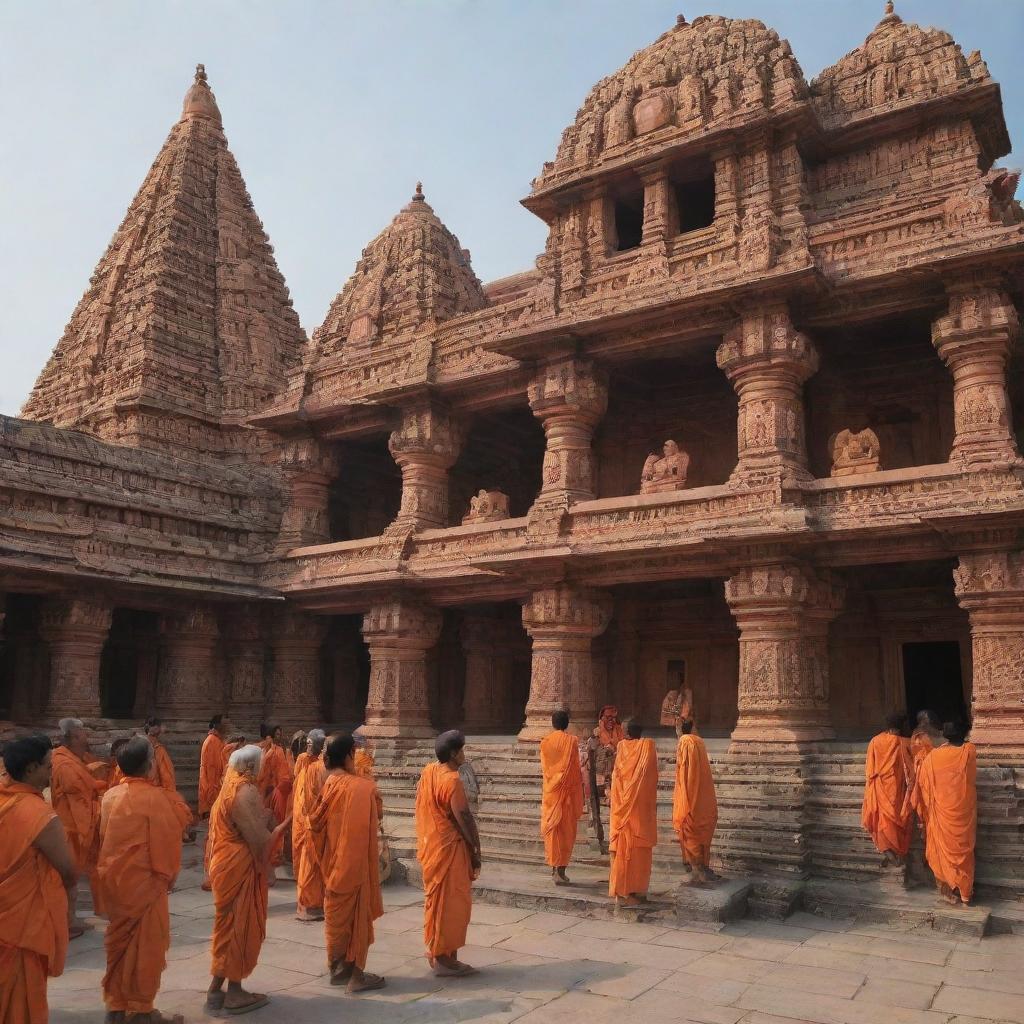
(569, 396)
(398, 633)
(562, 621)
(75, 630)
(244, 652)
(293, 699)
(767, 360)
(425, 447)
(489, 671)
(974, 339)
(990, 586)
(783, 611)
(188, 683)
(309, 468)
(656, 206)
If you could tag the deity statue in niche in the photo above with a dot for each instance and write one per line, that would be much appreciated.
(854, 453)
(486, 507)
(667, 473)
(677, 707)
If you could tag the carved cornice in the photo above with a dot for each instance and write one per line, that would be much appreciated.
(78, 615)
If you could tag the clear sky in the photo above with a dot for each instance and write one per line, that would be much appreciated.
(334, 111)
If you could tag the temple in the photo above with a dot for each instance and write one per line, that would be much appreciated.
(746, 426)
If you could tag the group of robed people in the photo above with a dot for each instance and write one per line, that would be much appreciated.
(928, 777)
(633, 800)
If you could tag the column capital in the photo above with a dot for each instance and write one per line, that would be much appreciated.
(427, 434)
(569, 386)
(308, 457)
(402, 622)
(198, 622)
(567, 611)
(63, 616)
(980, 317)
(764, 340)
(293, 628)
(784, 588)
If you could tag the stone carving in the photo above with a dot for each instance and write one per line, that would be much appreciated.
(486, 507)
(854, 453)
(990, 200)
(665, 473)
(425, 446)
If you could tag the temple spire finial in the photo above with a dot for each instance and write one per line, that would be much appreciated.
(418, 196)
(681, 21)
(199, 101)
(201, 73)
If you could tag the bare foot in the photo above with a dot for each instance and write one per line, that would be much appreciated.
(215, 1001)
(244, 1002)
(309, 914)
(206, 886)
(365, 983)
(627, 901)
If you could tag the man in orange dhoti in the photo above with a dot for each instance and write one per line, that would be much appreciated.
(607, 737)
(140, 856)
(77, 782)
(633, 824)
(887, 771)
(37, 875)
(344, 825)
(275, 771)
(926, 736)
(694, 805)
(561, 795)
(448, 849)
(949, 799)
(241, 847)
(310, 775)
(213, 760)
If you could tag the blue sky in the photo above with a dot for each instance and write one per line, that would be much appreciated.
(334, 111)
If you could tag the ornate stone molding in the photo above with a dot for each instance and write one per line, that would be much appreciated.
(975, 338)
(293, 698)
(425, 446)
(75, 630)
(245, 651)
(783, 611)
(767, 361)
(990, 586)
(562, 621)
(569, 396)
(399, 632)
(188, 682)
(309, 468)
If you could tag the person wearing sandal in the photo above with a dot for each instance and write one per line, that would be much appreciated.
(344, 825)
(241, 847)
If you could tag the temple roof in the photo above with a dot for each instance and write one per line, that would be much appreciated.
(187, 317)
(413, 272)
(696, 77)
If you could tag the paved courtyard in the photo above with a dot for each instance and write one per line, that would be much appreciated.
(540, 967)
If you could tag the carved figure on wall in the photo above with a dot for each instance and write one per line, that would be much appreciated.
(667, 473)
(677, 707)
(855, 453)
(486, 507)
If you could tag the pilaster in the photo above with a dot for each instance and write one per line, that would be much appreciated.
(975, 338)
(425, 446)
(75, 630)
(309, 469)
(398, 633)
(188, 683)
(767, 361)
(562, 621)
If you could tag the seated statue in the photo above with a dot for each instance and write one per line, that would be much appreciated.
(486, 507)
(855, 453)
(667, 473)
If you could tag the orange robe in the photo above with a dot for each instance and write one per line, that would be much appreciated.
(364, 764)
(886, 771)
(345, 826)
(116, 776)
(309, 882)
(561, 796)
(302, 762)
(163, 774)
(213, 760)
(920, 747)
(75, 792)
(239, 884)
(140, 856)
(33, 908)
(950, 802)
(445, 859)
(694, 805)
(633, 825)
(274, 772)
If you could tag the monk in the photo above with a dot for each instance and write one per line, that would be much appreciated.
(448, 849)
(927, 735)
(309, 780)
(37, 880)
(633, 823)
(296, 749)
(163, 766)
(213, 761)
(677, 707)
(345, 826)
(607, 736)
(306, 757)
(77, 782)
(886, 773)
(694, 805)
(950, 801)
(274, 770)
(116, 775)
(139, 861)
(561, 795)
(241, 846)
(364, 755)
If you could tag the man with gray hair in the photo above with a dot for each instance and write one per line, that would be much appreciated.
(78, 780)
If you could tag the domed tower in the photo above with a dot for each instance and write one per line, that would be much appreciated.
(187, 327)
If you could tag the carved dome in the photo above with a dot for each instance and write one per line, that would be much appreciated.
(898, 64)
(714, 73)
(412, 272)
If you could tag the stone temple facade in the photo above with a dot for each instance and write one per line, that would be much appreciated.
(748, 423)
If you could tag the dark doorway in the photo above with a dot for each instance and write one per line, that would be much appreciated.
(933, 680)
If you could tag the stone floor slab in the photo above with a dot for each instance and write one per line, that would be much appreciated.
(628, 985)
(983, 1003)
(823, 980)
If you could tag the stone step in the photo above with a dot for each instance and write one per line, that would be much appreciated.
(726, 900)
